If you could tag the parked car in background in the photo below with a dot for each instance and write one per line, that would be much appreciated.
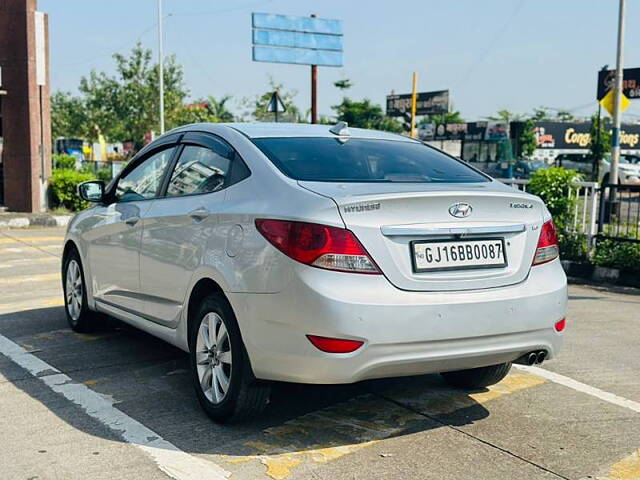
(304, 253)
(525, 167)
(628, 168)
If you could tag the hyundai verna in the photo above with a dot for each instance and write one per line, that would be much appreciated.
(305, 253)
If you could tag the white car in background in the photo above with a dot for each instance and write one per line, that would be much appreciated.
(628, 168)
(304, 253)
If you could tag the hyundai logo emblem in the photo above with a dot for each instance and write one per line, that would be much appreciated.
(460, 210)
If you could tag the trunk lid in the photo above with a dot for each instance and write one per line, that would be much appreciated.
(388, 217)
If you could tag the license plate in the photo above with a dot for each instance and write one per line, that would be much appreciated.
(433, 255)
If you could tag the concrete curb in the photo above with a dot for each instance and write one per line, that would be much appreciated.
(37, 220)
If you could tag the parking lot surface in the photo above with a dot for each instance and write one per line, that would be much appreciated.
(118, 403)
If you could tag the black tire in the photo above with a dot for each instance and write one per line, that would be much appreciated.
(245, 397)
(477, 377)
(83, 321)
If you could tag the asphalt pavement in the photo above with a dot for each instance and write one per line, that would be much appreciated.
(118, 403)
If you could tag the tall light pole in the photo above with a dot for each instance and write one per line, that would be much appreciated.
(615, 132)
(161, 67)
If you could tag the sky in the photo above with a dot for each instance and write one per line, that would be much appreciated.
(491, 55)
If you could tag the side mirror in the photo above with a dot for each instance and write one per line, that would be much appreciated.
(92, 191)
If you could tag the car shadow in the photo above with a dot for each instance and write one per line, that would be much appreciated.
(150, 382)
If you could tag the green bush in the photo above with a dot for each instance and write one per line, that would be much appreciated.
(62, 161)
(552, 185)
(616, 254)
(574, 246)
(64, 189)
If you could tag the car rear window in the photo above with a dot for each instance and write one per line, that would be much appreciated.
(321, 159)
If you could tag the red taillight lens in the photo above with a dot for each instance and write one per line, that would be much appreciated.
(559, 326)
(547, 248)
(321, 246)
(334, 345)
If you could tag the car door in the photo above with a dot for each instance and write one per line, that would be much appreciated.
(181, 227)
(114, 242)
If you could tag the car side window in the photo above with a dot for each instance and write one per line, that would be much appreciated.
(145, 180)
(199, 170)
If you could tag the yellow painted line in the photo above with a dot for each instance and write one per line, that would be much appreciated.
(23, 240)
(16, 262)
(28, 279)
(29, 248)
(626, 469)
(57, 301)
(362, 422)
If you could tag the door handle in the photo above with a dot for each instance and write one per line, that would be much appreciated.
(199, 214)
(131, 221)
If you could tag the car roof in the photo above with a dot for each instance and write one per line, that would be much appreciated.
(266, 130)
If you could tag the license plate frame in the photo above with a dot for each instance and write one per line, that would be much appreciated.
(416, 269)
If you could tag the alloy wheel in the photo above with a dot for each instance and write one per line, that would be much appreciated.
(213, 357)
(73, 290)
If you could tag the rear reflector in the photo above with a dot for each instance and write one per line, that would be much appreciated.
(559, 326)
(547, 248)
(334, 345)
(321, 246)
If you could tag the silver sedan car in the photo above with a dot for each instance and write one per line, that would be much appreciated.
(316, 254)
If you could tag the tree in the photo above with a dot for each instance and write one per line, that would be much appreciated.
(449, 117)
(527, 140)
(541, 114)
(68, 117)
(125, 106)
(564, 116)
(204, 110)
(258, 106)
(599, 143)
(365, 114)
(343, 84)
(505, 116)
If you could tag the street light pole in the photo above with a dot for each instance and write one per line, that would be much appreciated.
(161, 67)
(615, 132)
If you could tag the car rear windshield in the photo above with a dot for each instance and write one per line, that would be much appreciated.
(321, 159)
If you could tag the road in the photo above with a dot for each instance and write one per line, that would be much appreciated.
(119, 404)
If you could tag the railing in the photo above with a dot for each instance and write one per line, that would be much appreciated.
(620, 220)
(585, 206)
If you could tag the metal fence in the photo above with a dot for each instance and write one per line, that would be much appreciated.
(584, 218)
(620, 221)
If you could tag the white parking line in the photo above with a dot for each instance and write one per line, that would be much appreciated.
(583, 387)
(169, 458)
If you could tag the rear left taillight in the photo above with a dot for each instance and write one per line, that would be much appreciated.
(317, 245)
(548, 248)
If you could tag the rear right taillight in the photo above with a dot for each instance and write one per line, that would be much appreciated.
(322, 246)
(548, 248)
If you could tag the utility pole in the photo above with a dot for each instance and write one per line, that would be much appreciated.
(414, 93)
(161, 67)
(615, 132)
(314, 90)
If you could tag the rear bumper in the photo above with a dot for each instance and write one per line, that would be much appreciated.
(405, 333)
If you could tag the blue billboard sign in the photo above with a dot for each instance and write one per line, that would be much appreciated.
(299, 40)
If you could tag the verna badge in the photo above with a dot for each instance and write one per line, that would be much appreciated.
(460, 210)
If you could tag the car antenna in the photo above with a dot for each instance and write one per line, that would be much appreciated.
(341, 128)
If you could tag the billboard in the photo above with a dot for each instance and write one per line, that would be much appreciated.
(298, 40)
(427, 103)
(630, 83)
(577, 135)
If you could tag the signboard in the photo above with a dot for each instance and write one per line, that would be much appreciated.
(630, 83)
(608, 102)
(427, 103)
(450, 131)
(275, 104)
(298, 40)
(577, 136)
